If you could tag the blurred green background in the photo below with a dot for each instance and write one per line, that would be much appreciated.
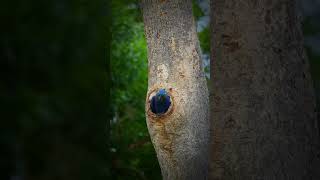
(54, 89)
(64, 115)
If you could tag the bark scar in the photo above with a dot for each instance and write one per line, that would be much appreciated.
(231, 44)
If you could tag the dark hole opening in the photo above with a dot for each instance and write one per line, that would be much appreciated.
(160, 102)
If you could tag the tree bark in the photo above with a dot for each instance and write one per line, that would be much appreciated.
(180, 136)
(263, 105)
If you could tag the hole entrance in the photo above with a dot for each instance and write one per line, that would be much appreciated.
(160, 102)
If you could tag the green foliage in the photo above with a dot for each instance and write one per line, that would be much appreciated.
(204, 38)
(196, 10)
(309, 27)
(314, 60)
(53, 88)
(314, 64)
(133, 156)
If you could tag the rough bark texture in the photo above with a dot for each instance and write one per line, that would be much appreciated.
(181, 136)
(263, 106)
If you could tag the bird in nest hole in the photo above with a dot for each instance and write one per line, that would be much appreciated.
(160, 102)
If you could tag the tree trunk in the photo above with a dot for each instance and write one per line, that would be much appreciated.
(263, 105)
(180, 135)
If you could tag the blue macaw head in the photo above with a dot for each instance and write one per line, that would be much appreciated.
(160, 103)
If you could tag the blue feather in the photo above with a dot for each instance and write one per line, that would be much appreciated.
(160, 103)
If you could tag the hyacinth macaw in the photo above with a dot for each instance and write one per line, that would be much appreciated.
(160, 103)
